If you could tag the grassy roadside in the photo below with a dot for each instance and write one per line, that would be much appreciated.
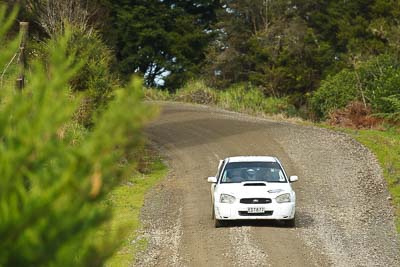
(126, 201)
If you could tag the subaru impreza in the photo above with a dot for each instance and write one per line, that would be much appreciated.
(252, 188)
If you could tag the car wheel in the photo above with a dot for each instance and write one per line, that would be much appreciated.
(219, 223)
(291, 223)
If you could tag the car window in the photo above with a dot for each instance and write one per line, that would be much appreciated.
(237, 172)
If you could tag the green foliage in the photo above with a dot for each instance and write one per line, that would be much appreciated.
(154, 37)
(394, 102)
(95, 78)
(245, 98)
(196, 91)
(376, 81)
(8, 67)
(156, 94)
(350, 27)
(240, 97)
(288, 47)
(95, 81)
(268, 44)
(54, 174)
(334, 93)
(380, 79)
(284, 47)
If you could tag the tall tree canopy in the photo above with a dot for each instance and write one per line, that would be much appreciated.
(161, 39)
(288, 46)
(281, 46)
(269, 44)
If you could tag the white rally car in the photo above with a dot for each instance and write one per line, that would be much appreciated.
(252, 187)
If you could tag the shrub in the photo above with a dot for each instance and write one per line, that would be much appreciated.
(241, 97)
(94, 81)
(380, 78)
(156, 94)
(393, 116)
(376, 81)
(279, 105)
(54, 174)
(196, 91)
(95, 78)
(334, 93)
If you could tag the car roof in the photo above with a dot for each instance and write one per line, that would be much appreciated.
(251, 159)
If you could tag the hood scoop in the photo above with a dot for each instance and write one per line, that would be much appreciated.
(254, 184)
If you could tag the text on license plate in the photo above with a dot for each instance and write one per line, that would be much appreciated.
(256, 210)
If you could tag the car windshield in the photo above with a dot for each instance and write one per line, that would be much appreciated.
(237, 172)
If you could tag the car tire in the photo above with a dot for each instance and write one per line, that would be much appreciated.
(291, 223)
(219, 223)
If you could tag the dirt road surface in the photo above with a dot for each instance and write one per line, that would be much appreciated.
(344, 217)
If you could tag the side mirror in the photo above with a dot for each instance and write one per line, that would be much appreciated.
(293, 179)
(212, 180)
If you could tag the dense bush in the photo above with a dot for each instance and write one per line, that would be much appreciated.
(156, 94)
(334, 93)
(95, 78)
(196, 91)
(375, 82)
(242, 97)
(53, 173)
(94, 81)
(395, 103)
(381, 81)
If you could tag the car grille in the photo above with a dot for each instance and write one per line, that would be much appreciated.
(265, 213)
(255, 200)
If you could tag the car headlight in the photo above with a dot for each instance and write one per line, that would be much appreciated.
(225, 198)
(283, 198)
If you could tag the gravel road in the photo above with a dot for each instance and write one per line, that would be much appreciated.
(344, 217)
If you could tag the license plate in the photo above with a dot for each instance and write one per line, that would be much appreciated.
(256, 210)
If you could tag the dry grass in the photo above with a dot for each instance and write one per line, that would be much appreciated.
(355, 115)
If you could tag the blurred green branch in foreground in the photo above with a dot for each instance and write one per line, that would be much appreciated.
(54, 173)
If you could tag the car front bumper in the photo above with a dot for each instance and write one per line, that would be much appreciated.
(238, 211)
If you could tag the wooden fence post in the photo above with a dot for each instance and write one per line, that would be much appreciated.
(23, 29)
